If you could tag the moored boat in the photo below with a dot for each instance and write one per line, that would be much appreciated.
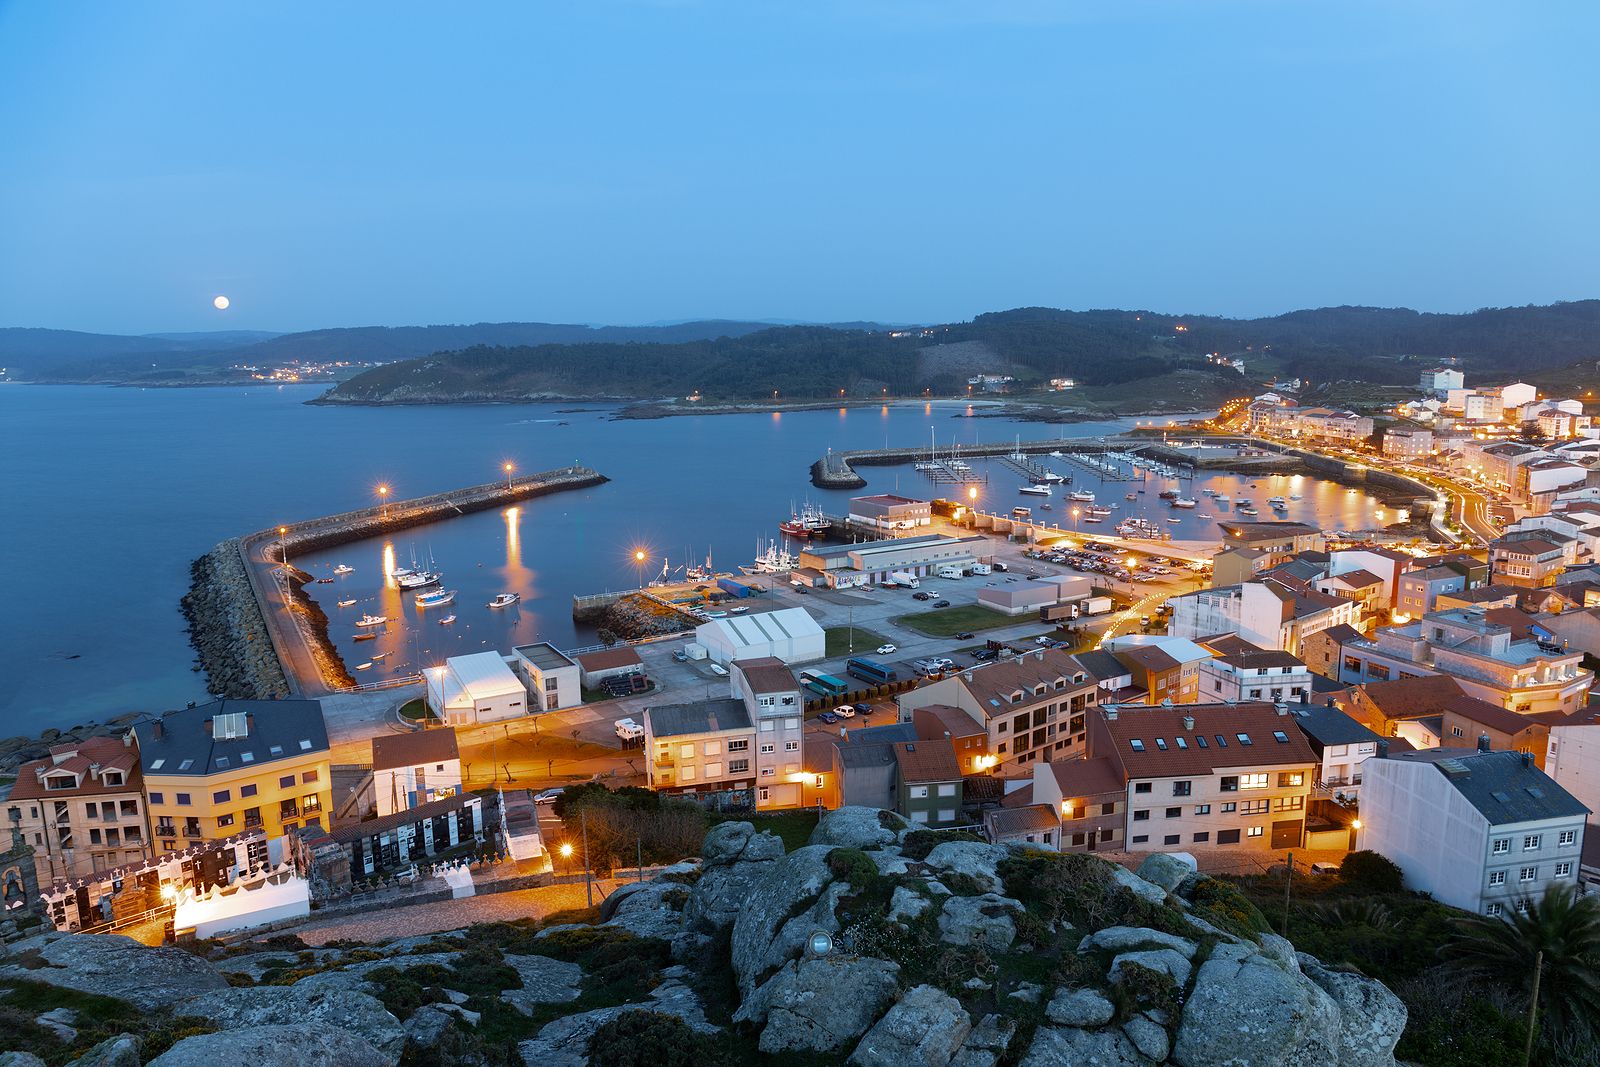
(1081, 494)
(447, 620)
(347, 603)
(1037, 490)
(372, 620)
(363, 666)
(344, 569)
(419, 579)
(366, 637)
(1184, 502)
(504, 600)
(438, 598)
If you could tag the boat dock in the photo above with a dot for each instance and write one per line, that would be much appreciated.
(836, 470)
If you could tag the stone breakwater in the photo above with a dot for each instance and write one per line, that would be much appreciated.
(229, 631)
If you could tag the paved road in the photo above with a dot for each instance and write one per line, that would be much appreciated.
(264, 564)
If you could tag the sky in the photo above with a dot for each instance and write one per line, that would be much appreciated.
(623, 161)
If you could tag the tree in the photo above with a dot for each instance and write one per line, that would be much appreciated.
(1371, 872)
(1566, 928)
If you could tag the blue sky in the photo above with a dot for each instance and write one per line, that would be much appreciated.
(630, 162)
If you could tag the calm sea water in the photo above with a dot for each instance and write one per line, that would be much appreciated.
(110, 493)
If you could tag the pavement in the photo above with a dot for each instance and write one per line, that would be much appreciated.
(411, 920)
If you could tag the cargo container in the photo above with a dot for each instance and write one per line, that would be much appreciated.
(733, 588)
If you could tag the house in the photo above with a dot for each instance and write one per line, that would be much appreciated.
(706, 747)
(1032, 706)
(473, 689)
(890, 513)
(1209, 774)
(1342, 744)
(1572, 755)
(606, 663)
(217, 769)
(1108, 671)
(775, 705)
(1159, 674)
(788, 634)
(1468, 721)
(551, 677)
(1031, 824)
(1254, 674)
(1483, 831)
(1089, 798)
(1323, 651)
(1361, 586)
(1271, 613)
(1530, 561)
(969, 738)
(929, 783)
(81, 808)
(1420, 590)
(410, 770)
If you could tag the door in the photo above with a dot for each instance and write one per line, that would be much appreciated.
(1286, 834)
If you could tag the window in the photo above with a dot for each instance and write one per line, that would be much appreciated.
(183, 800)
(158, 798)
(1229, 808)
(947, 814)
(919, 792)
(947, 789)
(1140, 839)
(1181, 789)
(247, 791)
(1227, 837)
(738, 766)
(1563, 869)
(1171, 839)
(1174, 813)
(791, 746)
(224, 820)
(1108, 809)
(1567, 837)
(1530, 842)
(1501, 846)
(919, 816)
(1142, 815)
(1522, 906)
(1161, 743)
(1289, 804)
(767, 747)
(1230, 783)
(1493, 911)
(767, 772)
(1527, 874)
(286, 782)
(713, 748)
(1136, 744)
(1253, 781)
(741, 745)
(1202, 837)
(1141, 787)
(686, 774)
(1254, 831)
(221, 796)
(1202, 809)
(1291, 778)
(1497, 878)
(1255, 807)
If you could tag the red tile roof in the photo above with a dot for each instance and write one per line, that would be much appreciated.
(1088, 777)
(109, 752)
(609, 659)
(927, 761)
(1146, 739)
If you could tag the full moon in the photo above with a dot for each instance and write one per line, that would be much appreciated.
(220, 303)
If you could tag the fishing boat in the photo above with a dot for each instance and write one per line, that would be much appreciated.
(372, 620)
(347, 603)
(366, 637)
(1038, 490)
(1184, 502)
(1296, 496)
(1094, 518)
(447, 620)
(504, 600)
(438, 598)
(1247, 510)
(807, 523)
(773, 560)
(1168, 494)
(703, 573)
(344, 569)
(419, 579)
(1081, 494)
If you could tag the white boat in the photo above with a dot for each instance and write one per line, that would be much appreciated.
(438, 598)
(343, 569)
(447, 620)
(1295, 496)
(1185, 502)
(1080, 494)
(376, 656)
(1222, 498)
(1052, 478)
(419, 579)
(362, 666)
(1276, 501)
(347, 603)
(372, 620)
(1035, 490)
(774, 560)
(1174, 518)
(504, 600)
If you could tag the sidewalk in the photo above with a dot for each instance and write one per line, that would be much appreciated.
(450, 914)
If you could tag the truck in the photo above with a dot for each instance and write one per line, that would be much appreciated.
(950, 570)
(629, 731)
(905, 578)
(734, 588)
(1097, 605)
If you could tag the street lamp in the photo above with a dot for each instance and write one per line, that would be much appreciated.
(383, 497)
(638, 565)
(1074, 518)
(509, 467)
(283, 547)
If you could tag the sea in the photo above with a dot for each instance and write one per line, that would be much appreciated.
(109, 493)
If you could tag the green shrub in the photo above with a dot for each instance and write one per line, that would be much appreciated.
(853, 866)
(1222, 905)
(403, 992)
(1148, 988)
(918, 843)
(654, 1039)
(1371, 872)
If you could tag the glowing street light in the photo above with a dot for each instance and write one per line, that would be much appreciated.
(509, 467)
(283, 546)
(638, 565)
(1074, 518)
(383, 497)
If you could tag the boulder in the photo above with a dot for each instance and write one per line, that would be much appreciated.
(1080, 1007)
(274, 1046)
(777, 902)
(565, 1041)
(1168, 869)
(116, 966)
(646, 909)
(544, 981)
(59, 1022)
(853, 826)
(1030, 992)
(358, 1014)
(888, 860)
(1280, 949)
(1371, 1017)
(353, 978)
(20, 1059)
(722, 890)
(983, 921)
(1148, 1036)
(725, 842)
(1170, 963)
(1148, 891)
(821, 1003)
(906, 903)
(986, 1043)
(973, 858)
(124, 1050)
(427, 1027)
(1059, 1046)
(925, 1028)
(1247, 1008)
(1128, 938)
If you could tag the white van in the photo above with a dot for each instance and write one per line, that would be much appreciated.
(629, 731)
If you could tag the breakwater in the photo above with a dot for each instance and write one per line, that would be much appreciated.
(836, 470)
(259, 635)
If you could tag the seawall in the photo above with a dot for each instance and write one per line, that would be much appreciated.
(228, 630)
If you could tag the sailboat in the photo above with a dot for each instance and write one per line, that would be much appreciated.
(703, 573)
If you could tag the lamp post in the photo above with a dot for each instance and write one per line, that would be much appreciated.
(383, 498)
(566, 853)
(638, 565)
(1074, 519)
(509, 467)
(283, 547)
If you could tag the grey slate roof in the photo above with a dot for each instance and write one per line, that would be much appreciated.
(1102, 665)
(181, 742)
(1330, 726)
(1505, 787)
(708, 716)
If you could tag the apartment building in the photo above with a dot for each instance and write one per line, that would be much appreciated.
(706, 747)
(1342, 744)
(1531, 561)
(1033, 706)
(969, 739)
(410, 770)
(1159, 674)
(1521, 675)
(1408, 443)
(1541, 481)
(1572, 755)
(552, 678)
(214, 770)
(1209, 775)
(1088, 798)
(1487, 832)
(1441, 380)
(1254, 674)
(1271, 613)
(773, 700)
(1323, 651)
(81, 809)
(1420, 590)
(929, 789)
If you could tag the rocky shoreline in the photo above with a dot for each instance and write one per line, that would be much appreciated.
(228, 631)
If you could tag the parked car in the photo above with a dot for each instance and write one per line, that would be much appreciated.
(549, 795)
(921, 596)
(680, 655)
(964, 636)
(864, 709)
(845, 711)
(941, 603)
(887, 650)
(828, 717)
(1042, 641)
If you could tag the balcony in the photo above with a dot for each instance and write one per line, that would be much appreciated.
(192, 831)
(289, 811)
(252, 820)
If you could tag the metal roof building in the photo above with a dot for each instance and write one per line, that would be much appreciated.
(790, 635)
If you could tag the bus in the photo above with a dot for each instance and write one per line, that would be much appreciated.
(824, 684)
(870, 671)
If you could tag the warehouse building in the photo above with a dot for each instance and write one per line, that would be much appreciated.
(474, 689)
(790, 635)
(874, 561)
(890, 513)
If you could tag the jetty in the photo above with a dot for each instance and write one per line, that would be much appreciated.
(258, 635)
(836, 470)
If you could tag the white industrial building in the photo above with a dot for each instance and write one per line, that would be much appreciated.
(474, 689)
(870, 562)
(789, 634)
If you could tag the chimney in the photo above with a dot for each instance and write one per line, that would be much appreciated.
(968, 676)
(1039, 655)
(1331, 704)
(1383, 749)
(1188, 723)
(1483, 742)
(208, 727)
(158, 729)
(1527, 759)
(1281, 708)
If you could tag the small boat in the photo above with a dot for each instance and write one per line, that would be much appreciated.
(379, 655)
(344, 569)
(366, 637)
(372, 620)
(438, 598)
(1130, 496)
(1051, 477)
(1222, 498)
(1045, 506)
(363, 666)
(347, 603)
(1081, 494)
(324, 581)
(1168, 494)
(738, 611)
(1296, 496)
(504, 600)
(1174, 518)
(419, 579)
(1037, 490)
(1247, 510)
(447, 620)
(1184, 502)
(1276, 501)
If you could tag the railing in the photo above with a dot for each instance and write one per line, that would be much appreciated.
(192, 831)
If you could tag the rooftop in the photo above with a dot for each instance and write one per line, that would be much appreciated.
(1088, 777)
(226, 735)
(927, 761)
(608, 659)
(1260, 659)
(706, 717)
(1330, 726)
(1263, 531)
(1031, 819)
(766, 674)
(392, 751)
(992, 685)
(952, 721)
(544, 655)
(421, 813)
(1161, 742)
(104, 753)
(887, 499)
(479, 676)
(1505, 787)
(784, 624)
(1101, 665)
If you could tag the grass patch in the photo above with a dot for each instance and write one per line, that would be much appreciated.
(947, 622)
(837, 641)
(416, 710)
(793, 826)
(99, 1018)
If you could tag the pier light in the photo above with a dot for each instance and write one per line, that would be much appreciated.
(508, 468)
(972, 493)
(383, 498)
(283, 548)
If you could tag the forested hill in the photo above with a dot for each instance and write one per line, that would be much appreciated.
(1033, 344)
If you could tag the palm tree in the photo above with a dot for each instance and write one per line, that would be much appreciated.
(1565, 926)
